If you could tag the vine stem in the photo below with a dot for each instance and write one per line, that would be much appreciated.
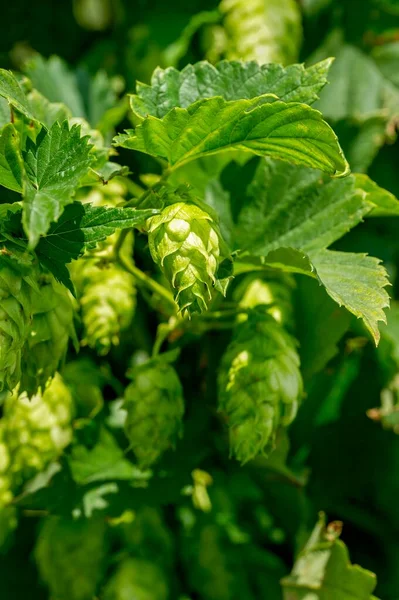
(147, 282)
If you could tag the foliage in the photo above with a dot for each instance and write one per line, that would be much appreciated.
(199, 340)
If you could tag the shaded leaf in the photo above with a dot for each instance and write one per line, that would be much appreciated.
(11, 164)
(263, 126)
(296, 207)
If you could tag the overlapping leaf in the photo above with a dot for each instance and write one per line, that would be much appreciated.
(54, 166)
(232, 80)
(297, 207)
(80, 228)
(11, 90)
(262, 126)
(11, 164)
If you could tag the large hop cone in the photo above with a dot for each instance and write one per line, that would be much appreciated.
(37, 430)
(15, 319)
(52, 327)
(107, 295)
(260, 385)
(185, 242)
(155, 407)
(137, 579)
(70, 557)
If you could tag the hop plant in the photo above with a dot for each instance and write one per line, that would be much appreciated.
(260, 385)
(137, 579)
(155, 407)
(70, 556)
(107, 295)
(36, 430)
(52, 327)
(185, 242)
(15, 319)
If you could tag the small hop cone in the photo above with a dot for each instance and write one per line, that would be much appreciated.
(70, 556)
(137, 579)
(52, 328)
(260, 386)
(155, 407)
(185, 243)
(107, 296)
(15, 319)
(37, 430)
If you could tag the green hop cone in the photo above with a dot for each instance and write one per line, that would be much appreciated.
(52, 327)
(107, 295)
(70, 555)
(137, 579)
(260, 385)
(275, 294)
(155, 407)
(186, 244)
(15, 319)
(36, 430)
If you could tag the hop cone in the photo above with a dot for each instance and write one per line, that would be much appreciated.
(15, 318)
(52, 326)
(260, 386)
(185, 242)
(70, 557)
(275, 294)
(155, 407)
(137, 579)
(36, 430)
(107, 296)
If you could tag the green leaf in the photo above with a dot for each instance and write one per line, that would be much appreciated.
(323, 570)
(385, 203)
(11, 164)
(105, 461)
(320, 327)
(80, 228)
(54, 166)
(232, 80)
(48, 112)
(11, 90)
(88, 97)
(263, 126)
(268, 31)
(295, 207)
(356, 281)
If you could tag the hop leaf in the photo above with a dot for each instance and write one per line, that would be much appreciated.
(155, 407)
(185, 242)
(15, 318)
(107, 295)
(139, 579)
(260, 385)
(51, 329)
(70, 557)
(36, 430)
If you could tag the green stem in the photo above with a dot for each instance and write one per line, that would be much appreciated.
(149, 283)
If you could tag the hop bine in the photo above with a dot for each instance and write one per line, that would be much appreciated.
(185, 242)
(260, 385)
(155, 407)
(52, 327)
